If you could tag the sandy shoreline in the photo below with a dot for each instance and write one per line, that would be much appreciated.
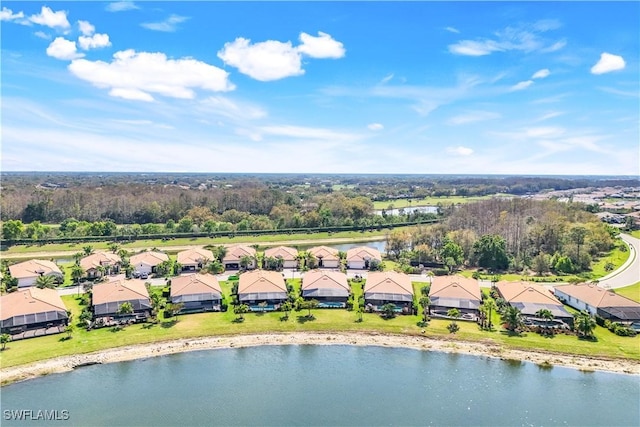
(141, 351)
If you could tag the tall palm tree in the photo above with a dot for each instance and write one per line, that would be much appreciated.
(76, 273)
(585, 324)
(45, 281)
(512, 317)
(490, 306)
(424, 302)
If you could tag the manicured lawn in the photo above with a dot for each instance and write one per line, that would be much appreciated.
(635, 233)
(631, 292)
(339, 320)
(430, 201)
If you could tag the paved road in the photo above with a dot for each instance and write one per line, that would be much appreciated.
(629, 272)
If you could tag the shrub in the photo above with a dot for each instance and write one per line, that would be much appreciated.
(440, 271)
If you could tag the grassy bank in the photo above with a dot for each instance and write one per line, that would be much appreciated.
(428, 201)
(607, 345)
(631, 292)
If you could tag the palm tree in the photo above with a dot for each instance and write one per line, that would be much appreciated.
(490, 306)
(125, 308)
(388, 311)
(286, 307)
(87, 250)
(4, 339)
(76, 273)
(69, 329)
(45, 281)
(585, 324)
(512, 318)
(545, 314)
(424, 302)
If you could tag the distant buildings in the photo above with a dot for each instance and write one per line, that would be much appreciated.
(146, 262)
(100, 264)
(194, 259)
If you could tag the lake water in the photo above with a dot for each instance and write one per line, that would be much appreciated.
(327, 385)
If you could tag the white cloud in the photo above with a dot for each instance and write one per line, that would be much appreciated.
(233, 110)
(375, 126)
(549, 115)
(386, 79)
(323, 46)
(460, 151)
(473, 117)
(309, 133)
(541, 74)
(86, 28)
(138, 75)
(608, 63)
(64, 49)
(169, 25)
(8, 15)
(94, 42)
(526, 38)
(51, 19)
(121, 6)
(42, 35)
(521, 85)
(264, 61)
(452, 30)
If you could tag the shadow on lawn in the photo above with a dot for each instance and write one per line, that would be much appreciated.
(306, 318)
(169, 324)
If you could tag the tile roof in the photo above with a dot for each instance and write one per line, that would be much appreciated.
(33, 268)
(30, 301)
(388, 282)
(458, 287)
(526, 292)
(596, 296)
(119, 290)
(195, 284)
(362, 253)
(261, 281)
(194, 256)
(99, 258)
(236, 252)
(151, 258)
(285, 252)
(324, 252)
(316, 279)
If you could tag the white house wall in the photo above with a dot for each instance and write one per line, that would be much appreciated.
(574, 302)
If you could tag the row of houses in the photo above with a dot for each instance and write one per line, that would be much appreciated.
(33, 311)
(106, 263)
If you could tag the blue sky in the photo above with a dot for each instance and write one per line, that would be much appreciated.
(335, 87)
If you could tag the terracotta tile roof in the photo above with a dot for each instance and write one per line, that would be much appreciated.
(98, 259)
(261, 281)
(388, 282)
(316, 279)
(596, 296)
(151, 258)
(362, 253)
(236, 252)
(30, 301)
(194, 256)
(526, 292)
(284, 252)
(195, 284)
(324, 252)
(33, 268)
(119, 290)
(457, 287)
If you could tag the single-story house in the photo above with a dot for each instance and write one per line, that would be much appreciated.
(198, 292)
(325, 256)
(288, 255)
(235, 254)
(194, 259)
(109, 296)
(530, 298)
(32, 312)
(261, 286)
(330, 288)
(361, 256)
(146, 262)
(599, 301)
(461, 293)
(28, 271)
(109, 261)
(384, 287)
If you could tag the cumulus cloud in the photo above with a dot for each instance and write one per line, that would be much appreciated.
(323, 46)
(138, 75)
(460, 151)
(169, 25)
(541, 74)
(86, 28)
(473, 117)
(521, 85)
(94, 42)
(526, 38)
(64, 49)
(51, 19)
(375, 126)
(608, 63)
(121, 6)
(264, 61)
(8, 15)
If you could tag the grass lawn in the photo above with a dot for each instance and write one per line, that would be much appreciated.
(631, 292)
(635, 233)
(338, 320)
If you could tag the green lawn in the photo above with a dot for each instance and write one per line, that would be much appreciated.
(635, 233)
(430, 201)
(631, 292)
(214, 324)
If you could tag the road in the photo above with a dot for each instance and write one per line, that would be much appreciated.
(629, 272)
